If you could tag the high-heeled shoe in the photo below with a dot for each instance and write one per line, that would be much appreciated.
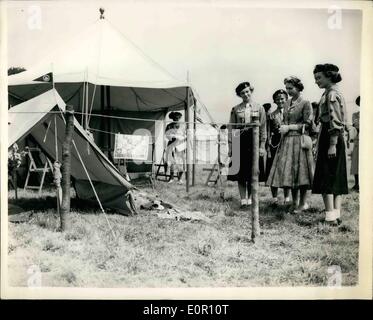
(301, 208)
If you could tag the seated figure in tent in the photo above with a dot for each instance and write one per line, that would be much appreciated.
(176, 146)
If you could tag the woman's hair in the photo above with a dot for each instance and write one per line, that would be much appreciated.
(174, 115)
(278, 92)
(296, 82)
(243, 85)
(267, 106)
(315, 108)
(357, 101)
(330, 71)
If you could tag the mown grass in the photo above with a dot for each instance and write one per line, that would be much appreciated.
(153, 252)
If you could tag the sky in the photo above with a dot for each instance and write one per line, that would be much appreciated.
(219, 43)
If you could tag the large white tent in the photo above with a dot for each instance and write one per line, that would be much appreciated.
(42, 118)
(100, 71)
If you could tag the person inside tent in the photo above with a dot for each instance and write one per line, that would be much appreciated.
(176, 146)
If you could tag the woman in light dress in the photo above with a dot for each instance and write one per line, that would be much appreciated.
(176, 146)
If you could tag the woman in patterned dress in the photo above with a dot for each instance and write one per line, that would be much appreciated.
(241, 142)
(293, 165)
(330, 178)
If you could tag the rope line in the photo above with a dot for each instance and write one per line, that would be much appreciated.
(94, 190)
(136, 119)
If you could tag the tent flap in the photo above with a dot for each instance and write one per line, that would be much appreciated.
(46, 125)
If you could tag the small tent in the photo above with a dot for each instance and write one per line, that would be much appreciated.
(42, 117)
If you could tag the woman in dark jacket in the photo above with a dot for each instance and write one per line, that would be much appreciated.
(330, 178)
(240, 140)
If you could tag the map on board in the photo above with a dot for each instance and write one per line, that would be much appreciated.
(128, 146)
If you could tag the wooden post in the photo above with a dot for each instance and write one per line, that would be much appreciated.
(15, 183)
(57, 176)
(255, 227)
(102, 136)
(108, 108)
(86, 106)
(66, 164)
(194, 142)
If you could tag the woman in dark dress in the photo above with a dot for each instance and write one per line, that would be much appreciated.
(330, 178)
(240, 140)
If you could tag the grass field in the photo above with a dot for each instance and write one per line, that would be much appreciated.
(294, 250)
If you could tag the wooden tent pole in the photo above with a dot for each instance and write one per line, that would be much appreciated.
(187, 119)
(108, 103)
(102, 122)
(66, 165)
(255, 227)
(194, 142)
(86, 106)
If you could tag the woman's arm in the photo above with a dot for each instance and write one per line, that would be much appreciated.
(262, 130)
(231, 126)
(307, 114)
(336, 116)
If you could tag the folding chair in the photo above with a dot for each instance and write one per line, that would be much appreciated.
(37, 166)
(162, 176)
(211, 179)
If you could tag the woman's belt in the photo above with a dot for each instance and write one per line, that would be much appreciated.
(293, 133)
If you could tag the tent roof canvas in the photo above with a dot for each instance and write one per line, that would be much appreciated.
(103, 56)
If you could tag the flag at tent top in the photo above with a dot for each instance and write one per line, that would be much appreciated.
(48, 77)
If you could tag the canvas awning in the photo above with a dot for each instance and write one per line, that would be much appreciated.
(119, 74)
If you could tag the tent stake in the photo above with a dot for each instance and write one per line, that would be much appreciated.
(66, 165)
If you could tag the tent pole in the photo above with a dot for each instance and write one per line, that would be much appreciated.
(102, 122)
(86, 107)
(194, 142)
(108, 103)
(187, 120)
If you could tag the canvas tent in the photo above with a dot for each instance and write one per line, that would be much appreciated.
(42, 118)
(207, 140)
(100, 71)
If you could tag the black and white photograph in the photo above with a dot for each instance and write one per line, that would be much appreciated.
(186, 149)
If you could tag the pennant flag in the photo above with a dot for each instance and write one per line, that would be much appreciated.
(48, 77)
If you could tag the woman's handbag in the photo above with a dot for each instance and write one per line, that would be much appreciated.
(305, 140)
